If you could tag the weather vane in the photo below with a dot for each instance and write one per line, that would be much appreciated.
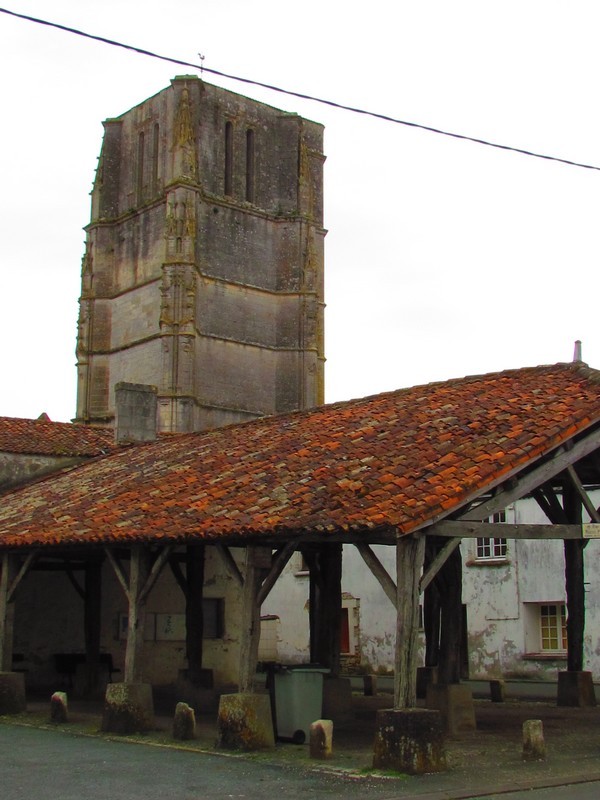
(201, 57)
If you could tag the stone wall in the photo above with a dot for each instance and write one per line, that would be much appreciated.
(17, 468)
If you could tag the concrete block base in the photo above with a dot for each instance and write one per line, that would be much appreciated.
(128, 708)
(534, 747)
(337, 699)
(184, 722)
(409, 741)
(12, 693)
(59, 708)
(244, 722)
(576, 689)
(497, 691)
(455, 704)
(425, 676)
(321, 739)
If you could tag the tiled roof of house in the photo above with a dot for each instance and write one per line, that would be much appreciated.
(396, 459)
(43, 437)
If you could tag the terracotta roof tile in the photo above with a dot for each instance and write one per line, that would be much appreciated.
(395, 459)
(44, 437)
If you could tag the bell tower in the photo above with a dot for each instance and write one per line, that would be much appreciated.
(203, 267)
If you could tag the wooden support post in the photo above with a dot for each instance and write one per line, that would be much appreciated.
(258, 561)
(137, 588)
(325, 565)
(194, 615)
(6, 577)
(92, 623)
(410, 551)
(138, 574)
(574, 582)
(10, 578)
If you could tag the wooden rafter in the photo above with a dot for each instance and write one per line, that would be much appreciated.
(277, 567)
(230, 564)
(379, 571)
(584, 496)
(437, 563)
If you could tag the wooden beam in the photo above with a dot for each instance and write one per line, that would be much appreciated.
(175, 564)
(118, 570)
(25, 566)
(437, 563)
(230, 564)
(279, 563)
(157, 568)
(506, 530)
(410, 553)
(379, 571)
(584, 496)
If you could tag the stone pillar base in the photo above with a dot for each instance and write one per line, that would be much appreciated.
(244, 722)
(497, 691)
(455, 704)
(128, 708)
(425, 676)
(12, 693)
(410, 741)
(576, 689)
(337, 699)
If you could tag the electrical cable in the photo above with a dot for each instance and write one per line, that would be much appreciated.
(300, 95)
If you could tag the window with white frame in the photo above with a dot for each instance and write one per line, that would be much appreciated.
(492, 548)
(545, 630)
(553, 627)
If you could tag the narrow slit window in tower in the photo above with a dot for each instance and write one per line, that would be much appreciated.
(155, 143)
(228, 158)
(140, 169)
(250, 165)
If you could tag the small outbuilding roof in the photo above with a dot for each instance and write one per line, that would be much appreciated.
(396, 460)
(47, 438)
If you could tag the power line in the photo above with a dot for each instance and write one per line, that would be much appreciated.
(300, 95)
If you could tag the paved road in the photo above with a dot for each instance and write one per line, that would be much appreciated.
(53, 765)
(578, 791)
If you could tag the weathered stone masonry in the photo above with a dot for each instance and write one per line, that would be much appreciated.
(203, 269)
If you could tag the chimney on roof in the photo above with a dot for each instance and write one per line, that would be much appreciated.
(577, 351)
(135, 417)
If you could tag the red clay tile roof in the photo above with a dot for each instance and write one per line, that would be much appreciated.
(43, 437)
(396, 459)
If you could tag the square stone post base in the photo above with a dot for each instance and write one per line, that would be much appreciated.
(425, 676)
(455, 704)
(128, 708)
(245, 722)
(12, 692)
(337, 699)
(409, 740)
(576, 689)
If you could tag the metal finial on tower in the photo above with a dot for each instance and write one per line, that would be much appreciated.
(201, 57)
(577, 351)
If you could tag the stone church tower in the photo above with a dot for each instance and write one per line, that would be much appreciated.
(203, 268)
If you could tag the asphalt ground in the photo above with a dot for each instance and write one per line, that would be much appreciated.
(482, 763)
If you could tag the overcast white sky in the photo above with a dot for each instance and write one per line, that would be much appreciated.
(443, 258)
